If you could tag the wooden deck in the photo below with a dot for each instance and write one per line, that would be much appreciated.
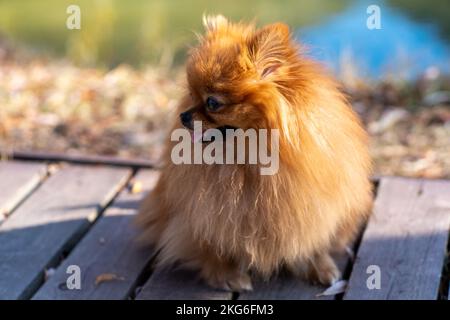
(56, 214)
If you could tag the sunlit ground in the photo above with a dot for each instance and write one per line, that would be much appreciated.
(110, 87)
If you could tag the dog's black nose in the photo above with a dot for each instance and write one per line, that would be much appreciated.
(186, 119)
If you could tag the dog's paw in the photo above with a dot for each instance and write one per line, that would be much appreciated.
(319, 269)
(230, 281)
(323, 270)
(325, 275)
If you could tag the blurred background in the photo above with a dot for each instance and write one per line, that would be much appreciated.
(109, 87)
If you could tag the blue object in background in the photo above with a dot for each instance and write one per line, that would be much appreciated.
(402, 46)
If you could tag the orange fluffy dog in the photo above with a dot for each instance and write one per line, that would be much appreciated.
(227, 220)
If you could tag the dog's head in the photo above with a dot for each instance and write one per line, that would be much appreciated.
(237, 74)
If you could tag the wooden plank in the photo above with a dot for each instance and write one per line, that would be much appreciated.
(108, 248)
(286, 286)
(179, 284)
(49, 222)
(17, 180)
(82, 159)
(406, 238)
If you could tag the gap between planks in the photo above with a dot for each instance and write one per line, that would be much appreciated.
(405, 239)
(175, 283)
(111, 263)
(50, 222)
(18, 180)
(186, 279)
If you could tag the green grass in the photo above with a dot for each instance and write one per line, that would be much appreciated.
(159, 31)
(140, 31)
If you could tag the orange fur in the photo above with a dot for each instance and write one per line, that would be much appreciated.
(228, 219)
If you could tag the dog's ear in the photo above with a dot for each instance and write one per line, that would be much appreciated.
(268, 48)
(214, 23)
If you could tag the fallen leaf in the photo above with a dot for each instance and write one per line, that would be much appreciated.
(104, 277)
(336, 288)
(136, 187)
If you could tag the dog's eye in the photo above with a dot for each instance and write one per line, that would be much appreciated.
(212, 104)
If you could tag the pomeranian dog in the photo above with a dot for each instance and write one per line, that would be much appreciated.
(228, 221)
